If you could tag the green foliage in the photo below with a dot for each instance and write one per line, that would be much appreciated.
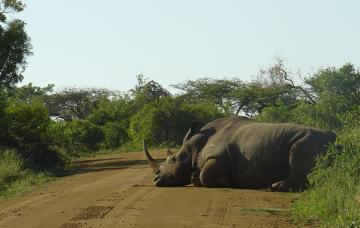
(350, 117)
(10, 6)
(275, 114)
(334, 196)
(168, 119)
(337, 93)
(146, 92)
(224, 93)
(114, 118)
(14, 45)
(75, 103)
(341, 84)
(333, 103)
(23, 122)
(29, 92)
(27, 131)
(115, 135)
(14, 178)
(272, 87)
(147, 124)
(28, 181)
(10, 166)
(82, 135)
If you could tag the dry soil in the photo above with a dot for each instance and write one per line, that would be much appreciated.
(117, 191)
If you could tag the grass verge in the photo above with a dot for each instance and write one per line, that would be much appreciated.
(14, 178)
(333, 200)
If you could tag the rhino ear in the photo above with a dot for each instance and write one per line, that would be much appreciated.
(194, 129)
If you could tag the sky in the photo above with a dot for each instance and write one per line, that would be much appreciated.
(88, 43)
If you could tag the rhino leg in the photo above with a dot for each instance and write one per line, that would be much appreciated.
(302, 160)
(281, 186)
(214, 174)
(195, 178)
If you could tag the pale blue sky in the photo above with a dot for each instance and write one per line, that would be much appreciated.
(106, 43)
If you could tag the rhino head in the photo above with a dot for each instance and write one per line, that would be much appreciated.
(177, 168)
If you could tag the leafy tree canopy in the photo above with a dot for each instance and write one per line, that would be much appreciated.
(343, 84)
(76, 103)
(272, 87)
(14, 45)
(29, 92)
(147, 91)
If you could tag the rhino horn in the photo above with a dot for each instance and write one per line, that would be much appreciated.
(151, 161)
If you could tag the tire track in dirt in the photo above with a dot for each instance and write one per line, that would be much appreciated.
(115, 206)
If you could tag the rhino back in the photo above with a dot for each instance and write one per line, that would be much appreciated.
(256, 153)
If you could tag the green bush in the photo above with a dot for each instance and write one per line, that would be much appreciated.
(27, 132)
(334, 196)
(275, 114)
(167, 120)
(115, 135)
(82, 136)
(148, 124)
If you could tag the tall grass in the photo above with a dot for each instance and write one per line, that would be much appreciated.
(14, 177)
(11, 166)
(333, 199)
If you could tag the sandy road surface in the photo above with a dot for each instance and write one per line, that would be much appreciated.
(117, 191)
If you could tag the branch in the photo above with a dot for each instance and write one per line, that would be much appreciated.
(297, 87)
(239, 109)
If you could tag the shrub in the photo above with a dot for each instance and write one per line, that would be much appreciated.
(82, 136)
(115, 135)
(27, 132)
(334, 196)
(275, 114)
(167, 120)
(14, 177)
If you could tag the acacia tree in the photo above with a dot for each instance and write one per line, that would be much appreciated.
(75, 103)
(220, 92)
(14, 45)
(274, 86)
(146, 92)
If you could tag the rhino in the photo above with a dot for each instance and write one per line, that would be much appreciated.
(237, 152)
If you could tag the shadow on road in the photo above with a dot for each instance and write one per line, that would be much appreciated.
(91, 165)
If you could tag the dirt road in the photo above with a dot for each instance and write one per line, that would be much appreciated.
(117, 191)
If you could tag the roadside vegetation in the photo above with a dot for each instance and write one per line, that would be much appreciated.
(42, 129)
(334, 196)
(15, 178)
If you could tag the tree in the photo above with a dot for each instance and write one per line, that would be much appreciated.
(81, 136)
(336, 94)
(273, 87)
(278, 77)
(146, 92)
(342, 84)
(75, 103)
(168, 119)
(28, 92)
(27, 131)
(218, 91)
(114, 117)
(14, 45)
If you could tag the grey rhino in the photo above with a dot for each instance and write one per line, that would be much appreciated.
(237, 152)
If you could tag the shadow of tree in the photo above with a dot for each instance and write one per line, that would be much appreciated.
(106, 164)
